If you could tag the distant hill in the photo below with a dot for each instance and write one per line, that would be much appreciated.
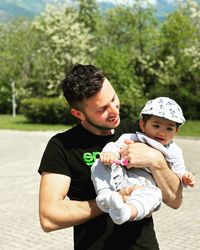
(164, 7)
(15, 8)
(31, 8)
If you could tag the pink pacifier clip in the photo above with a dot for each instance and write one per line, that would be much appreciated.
(123, 162)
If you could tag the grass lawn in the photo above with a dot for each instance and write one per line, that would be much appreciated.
(190, 128)
(20, 123)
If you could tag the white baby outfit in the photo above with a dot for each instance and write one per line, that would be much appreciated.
(109, 179)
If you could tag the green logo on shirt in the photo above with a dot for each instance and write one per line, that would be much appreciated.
(90, 158)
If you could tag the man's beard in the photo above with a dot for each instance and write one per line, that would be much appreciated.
(96, 125)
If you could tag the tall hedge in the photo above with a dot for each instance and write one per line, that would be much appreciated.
(47, 111)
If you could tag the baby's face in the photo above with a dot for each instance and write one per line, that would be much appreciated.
(159, 129)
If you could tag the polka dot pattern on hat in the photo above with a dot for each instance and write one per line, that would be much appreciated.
(164, 107)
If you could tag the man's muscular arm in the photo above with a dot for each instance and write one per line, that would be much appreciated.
(141, 155)
(55, 211)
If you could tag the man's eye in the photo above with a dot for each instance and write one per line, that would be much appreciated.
(170, 129)
(102, 109)
(114, 98)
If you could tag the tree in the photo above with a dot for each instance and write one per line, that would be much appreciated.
(16, 44)
(175, 71)
(125, 35)
(36, 54)
(88, 13)
(64, 42)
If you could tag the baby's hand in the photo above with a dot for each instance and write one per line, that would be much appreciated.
(188, 179)
(108, 157)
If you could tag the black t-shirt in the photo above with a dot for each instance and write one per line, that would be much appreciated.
(72, 153)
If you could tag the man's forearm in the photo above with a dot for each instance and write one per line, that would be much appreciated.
(67, 213)
(169, 183)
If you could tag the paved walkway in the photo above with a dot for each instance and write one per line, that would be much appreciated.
(20, 154)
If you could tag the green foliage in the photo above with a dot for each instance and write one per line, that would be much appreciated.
(16, 44)
(125, 35)
(37, 53)
(88, 13)
(174, 71)
(142, 58)
(64, 42)
(5, 101)
(130, 111)
(47, 111)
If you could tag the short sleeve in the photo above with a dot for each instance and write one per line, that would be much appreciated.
(54, 159)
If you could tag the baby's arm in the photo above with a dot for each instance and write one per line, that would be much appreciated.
(108, 157)
(111, 151)
(188, 179)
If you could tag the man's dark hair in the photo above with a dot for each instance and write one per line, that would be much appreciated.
(83, 81)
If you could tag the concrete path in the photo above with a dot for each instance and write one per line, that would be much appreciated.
(20, 154)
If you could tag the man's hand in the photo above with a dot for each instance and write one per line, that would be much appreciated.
(140, 155)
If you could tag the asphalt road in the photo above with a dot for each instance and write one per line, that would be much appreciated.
(20, 154)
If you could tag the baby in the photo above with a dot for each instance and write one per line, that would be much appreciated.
(160, 121)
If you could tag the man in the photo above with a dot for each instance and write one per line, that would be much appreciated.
(66, 162)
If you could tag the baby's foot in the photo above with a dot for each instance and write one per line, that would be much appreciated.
(103, 202)
(119, 211)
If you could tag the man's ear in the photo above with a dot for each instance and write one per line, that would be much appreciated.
(177, 130)
(78, 114)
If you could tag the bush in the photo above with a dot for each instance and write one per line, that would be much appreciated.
(189, 104)
(47, 111)
(128, 113)
(5, 105)
(130, 109)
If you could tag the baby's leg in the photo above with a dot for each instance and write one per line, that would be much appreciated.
(120, 212)
(105, 180)
(145, 200)
(103, 200)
